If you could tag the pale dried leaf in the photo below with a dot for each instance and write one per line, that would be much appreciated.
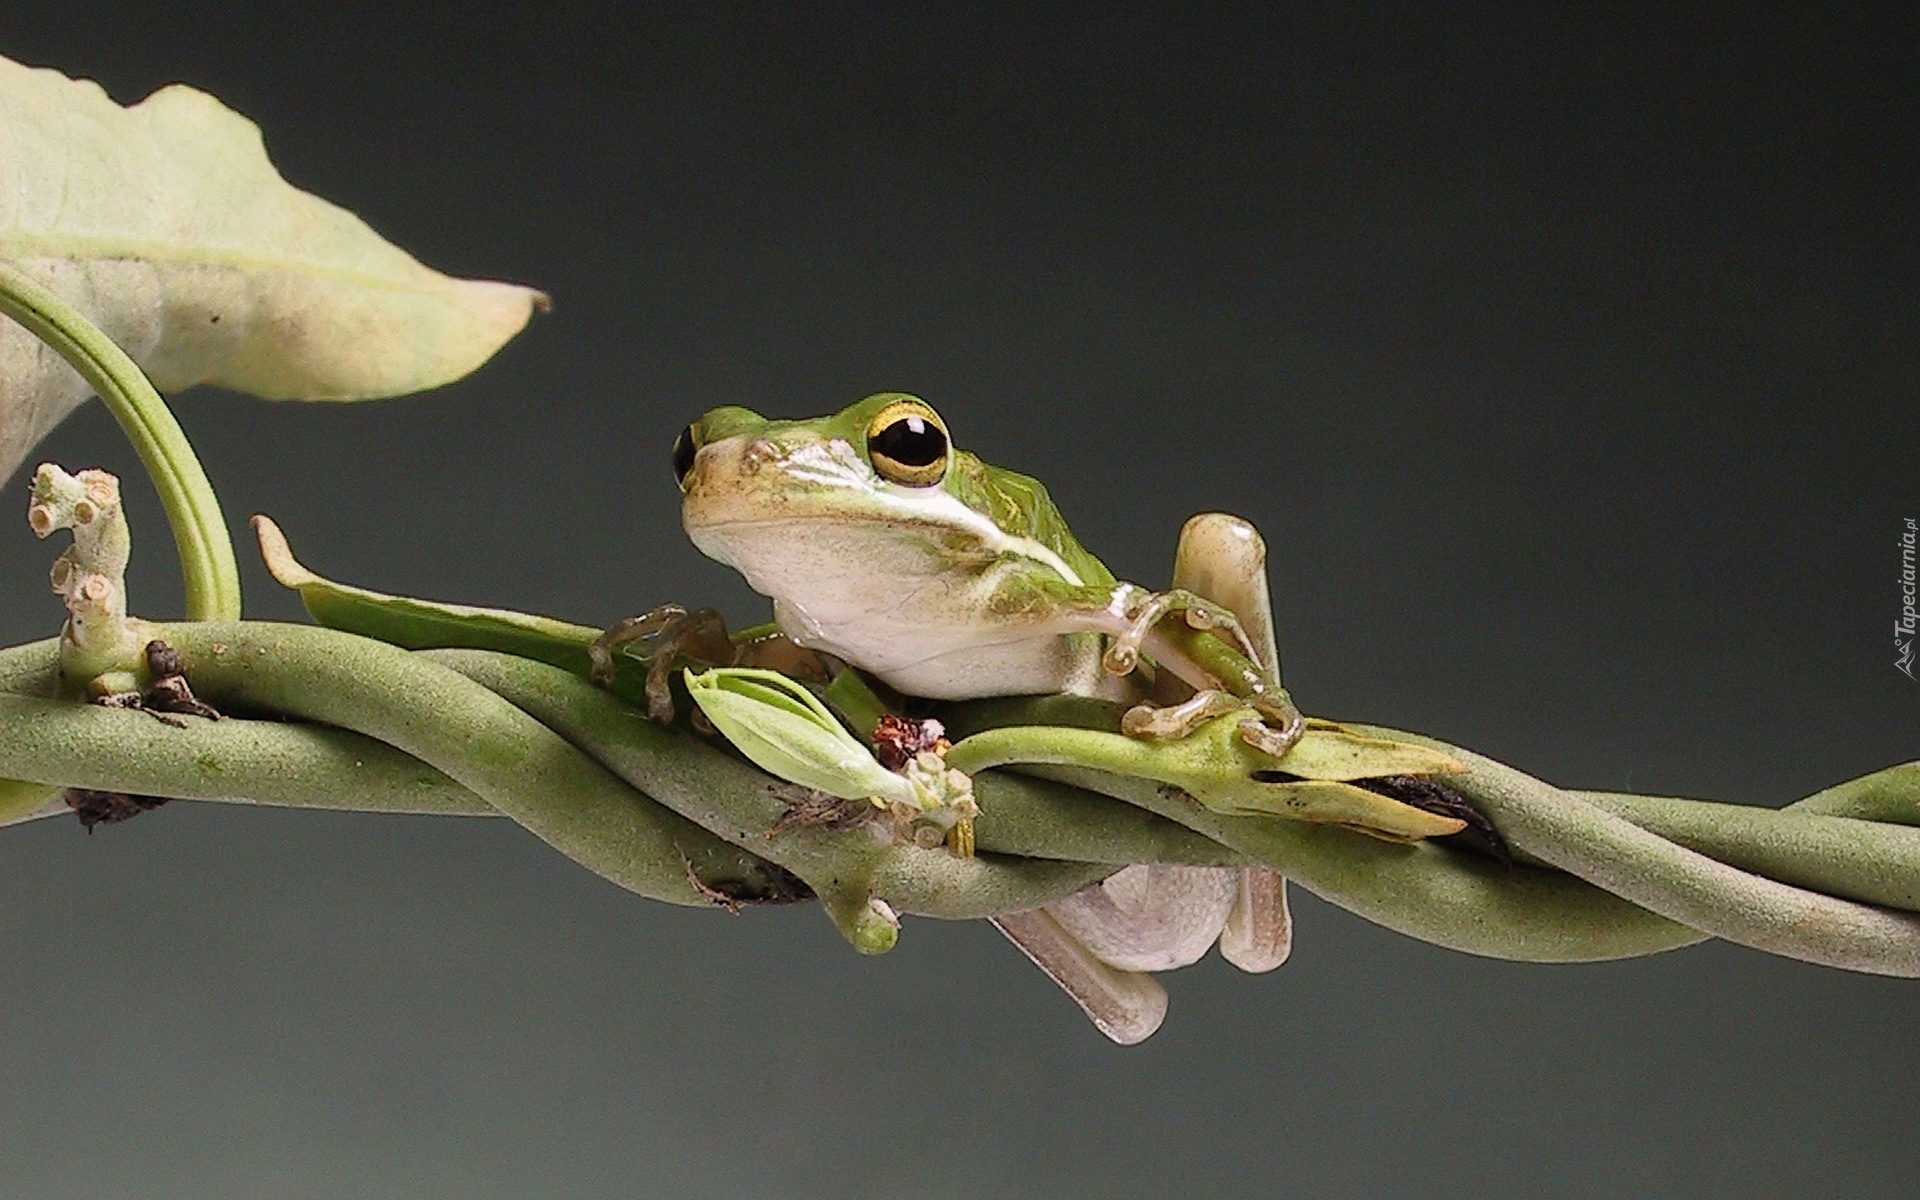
(166, 224)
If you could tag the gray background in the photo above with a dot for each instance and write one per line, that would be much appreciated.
(1569, 366)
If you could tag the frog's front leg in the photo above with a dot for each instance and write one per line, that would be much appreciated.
(1223, 646)
(1196, 651)
(671, 637)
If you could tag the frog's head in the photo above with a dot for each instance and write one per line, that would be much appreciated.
(862, 490)
(881, 459)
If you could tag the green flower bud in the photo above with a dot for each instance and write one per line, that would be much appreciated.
(785, 731)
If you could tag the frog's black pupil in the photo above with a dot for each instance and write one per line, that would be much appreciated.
(911, 442)
(683, 452)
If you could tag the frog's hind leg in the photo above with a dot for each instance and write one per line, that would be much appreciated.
(1127, 1006)
(1258, 934)
(1150, 916)
(1100, 943)
(1224, 559)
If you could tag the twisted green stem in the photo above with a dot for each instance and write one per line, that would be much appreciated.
(640, 804)
(1685, 885)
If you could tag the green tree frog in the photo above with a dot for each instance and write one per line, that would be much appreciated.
(883, 545)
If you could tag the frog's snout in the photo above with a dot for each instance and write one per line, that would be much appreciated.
(720, 468)
(759, 452)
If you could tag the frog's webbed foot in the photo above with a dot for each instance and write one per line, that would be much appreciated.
(1169, 721)
(1273, 731)
(651, 627)
(669, 636)
(1271, 739)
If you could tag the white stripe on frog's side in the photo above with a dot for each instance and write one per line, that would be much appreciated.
(943, 506)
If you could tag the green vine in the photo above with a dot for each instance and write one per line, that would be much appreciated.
(470, 732)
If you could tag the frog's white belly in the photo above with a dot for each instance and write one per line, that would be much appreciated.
(910, 616)
(944, 661)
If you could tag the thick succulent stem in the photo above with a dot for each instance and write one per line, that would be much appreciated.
(101, 649)
(532, 742)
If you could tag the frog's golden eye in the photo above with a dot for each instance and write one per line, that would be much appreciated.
(684, 448)
(907, 442)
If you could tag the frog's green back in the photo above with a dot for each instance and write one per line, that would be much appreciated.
(1019, 504)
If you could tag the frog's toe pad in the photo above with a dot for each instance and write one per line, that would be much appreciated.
(1271, 740)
